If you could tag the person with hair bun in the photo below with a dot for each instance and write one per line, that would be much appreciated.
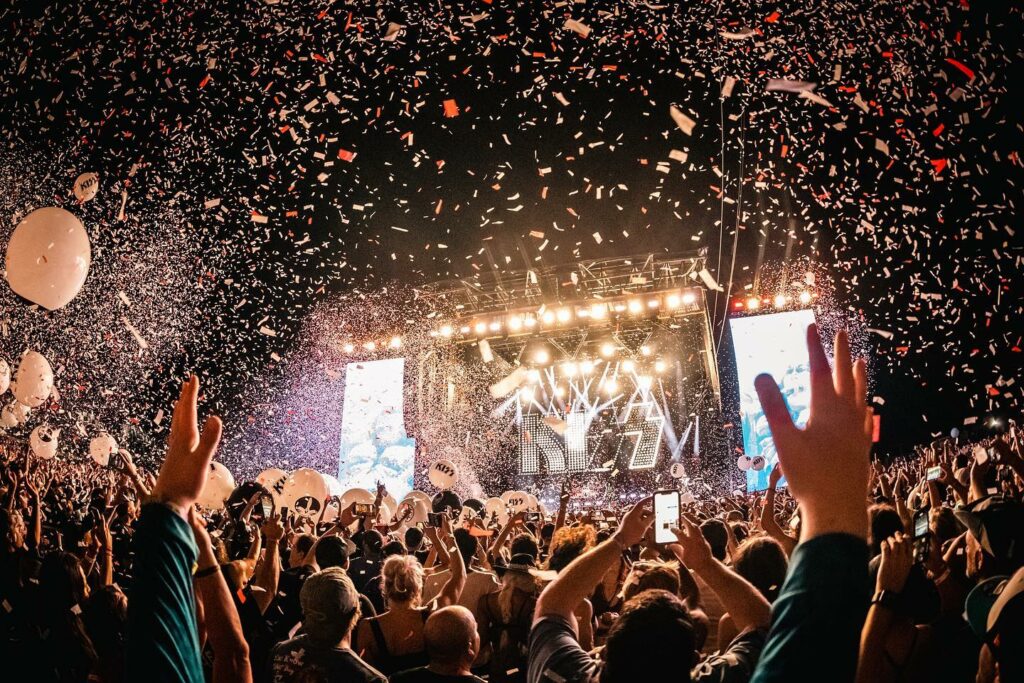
(393, 641)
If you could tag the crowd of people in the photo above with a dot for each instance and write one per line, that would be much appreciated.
(845, 570)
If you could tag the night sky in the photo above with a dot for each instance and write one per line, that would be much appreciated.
(275, 161)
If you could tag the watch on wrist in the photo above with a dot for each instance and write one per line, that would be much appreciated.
(886, 598)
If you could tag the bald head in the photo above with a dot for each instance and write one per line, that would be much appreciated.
(451, 638)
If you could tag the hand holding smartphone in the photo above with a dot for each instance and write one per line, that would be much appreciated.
(666, 516)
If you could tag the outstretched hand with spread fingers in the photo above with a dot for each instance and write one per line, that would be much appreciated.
(826, 462)
(189, 452)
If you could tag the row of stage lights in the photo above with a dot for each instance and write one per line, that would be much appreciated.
(642, 373)
(551, 317)
(779, 301)
(563, 316)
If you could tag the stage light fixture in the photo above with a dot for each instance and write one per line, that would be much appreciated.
(645, 350)
(464, 329)
(628, 365)
(348, 348)
(659, 366)
(689, 298)
(610, 385)
(598, 311)
(548, 317)
(541, 356)
(805, 297)
(619, 308)
(569, 369)
(533, 376)
(587, 367)
(370, 346)
(780, 300)
(515, 323)
(738, 305)
(672, 301)
(644, 382)
(653, 303)
(635, 306)
(564, 315)
(494, 326)
(753, 303)
(446, 331)
(526, 395)
(560, 391)
(480, 327)
(529, 321)
(396, 343)
(607, 349)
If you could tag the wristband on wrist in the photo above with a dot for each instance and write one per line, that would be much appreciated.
(209, 571)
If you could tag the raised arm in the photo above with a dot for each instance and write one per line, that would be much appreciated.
(451, 591)
(577, 581)
(268, 572)
(162, 643)
(223, 627)
(768, 521)
(817, 618)
(745, 604)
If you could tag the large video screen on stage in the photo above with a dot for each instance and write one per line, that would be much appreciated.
(374, 445)
(773, 343)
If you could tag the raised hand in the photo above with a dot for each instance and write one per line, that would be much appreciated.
(272, 528)
(897, 559)
(693, 549)
(189, 453)
(635, 523)
(826, 462)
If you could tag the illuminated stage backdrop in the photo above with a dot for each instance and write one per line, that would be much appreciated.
(772, 343)
(374, 444)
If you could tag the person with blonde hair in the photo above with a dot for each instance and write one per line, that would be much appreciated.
(393, 641)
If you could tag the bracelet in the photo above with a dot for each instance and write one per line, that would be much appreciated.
(209, 571)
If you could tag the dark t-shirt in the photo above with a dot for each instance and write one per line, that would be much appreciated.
(425, 675)
(361, 570)
(301, 660)
(556, 657)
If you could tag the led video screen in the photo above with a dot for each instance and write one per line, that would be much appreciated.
(374, 444)
(773, 343)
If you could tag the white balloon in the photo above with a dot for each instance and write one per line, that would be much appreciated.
(419, 510)
(356, 496)
(14, 414)
(743, 462)
(219, 485)
(677, 471)
(273, 479)
(5, 376)
(48, 257)
(518, 501)
(101, 447)
(687, 498)
(86, 186)
(304, 482)
(531, 501)
(333, 485)
(758, 463)
(495, 506)
(43, 441)
(33, 381)
(443, 474)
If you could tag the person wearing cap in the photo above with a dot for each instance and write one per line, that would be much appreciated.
(322, 651)
(995, 612)
(995, 538)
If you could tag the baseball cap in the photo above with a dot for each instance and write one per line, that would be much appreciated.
(995, 612)
(997, 523)
(328, 599)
